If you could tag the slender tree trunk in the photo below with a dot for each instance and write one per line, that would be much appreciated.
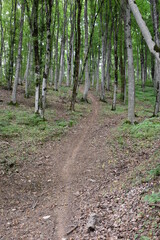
(116, 62)
(86, 88)
(36, 55)
(14, 92)
(5, 61)
(70, 49)
(72, 60)
(102, 96)
(97, 72)
(47, 57)
(61, 72)
(77, 56)
(104, 44)
(142, 64)
(56, 50)
(68, 64)
(125, 61)
(41, 26)
(12, 43)
(145, 64)
(51, 69)
(109, 58)
(157, 64)
(122, 65)
(131, 81)
(137, 64)
(26, 76)
(2, 41)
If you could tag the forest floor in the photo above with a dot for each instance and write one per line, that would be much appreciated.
(55, 174)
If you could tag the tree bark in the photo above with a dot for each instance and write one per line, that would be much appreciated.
(36, 55)
(14, 92)
(86, 88)
(115, 61)
(131, 80)
(12, 43)
(97, 71)
(157, 64)
(2, 41)
(142, 63)
(61, 71)
(109, 58)
(77, 56)
(48, 5)
(56, 50)
(70, 50)
(26, 76)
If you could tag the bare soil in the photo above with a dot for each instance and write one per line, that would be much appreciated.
(52, 195)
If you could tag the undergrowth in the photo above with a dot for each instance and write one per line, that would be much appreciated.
(22, 130)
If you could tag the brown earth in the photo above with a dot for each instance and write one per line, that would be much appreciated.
(53, 196)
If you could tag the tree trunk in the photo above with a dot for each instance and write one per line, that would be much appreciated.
(70, 48)
(102, 96)
(137, 64)
(86, 88)
(2, 41)
(154, 49)
(72, 60)
(157, 64)
(47, 57)
(61, 71)
(12, 43)
(26, 76)
(97, 72)
(56, 50)
(122, 64)
(131, 81)
(77, 55)
(36, 55)
(115, 61)
(14, 92)
(109, 58)
(142, 63)
(145, 64)
(41, 26)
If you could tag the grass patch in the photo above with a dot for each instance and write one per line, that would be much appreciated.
(154, 173)
(152, 198)
(148, 129)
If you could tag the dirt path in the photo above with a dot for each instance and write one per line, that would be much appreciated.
(40, 201)
(77, 143)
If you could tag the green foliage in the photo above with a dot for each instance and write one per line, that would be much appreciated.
(64, 124)
(141, 237)
(144, 238)
(152, 198)
(155, 172)
(146, 97)
(149, 128)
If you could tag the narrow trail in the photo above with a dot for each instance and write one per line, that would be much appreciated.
(66, 197)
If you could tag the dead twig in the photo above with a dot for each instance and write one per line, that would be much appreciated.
(154, 205)
(72, 230)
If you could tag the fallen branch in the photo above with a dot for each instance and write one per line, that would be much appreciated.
(154, 205)
(72, 230)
